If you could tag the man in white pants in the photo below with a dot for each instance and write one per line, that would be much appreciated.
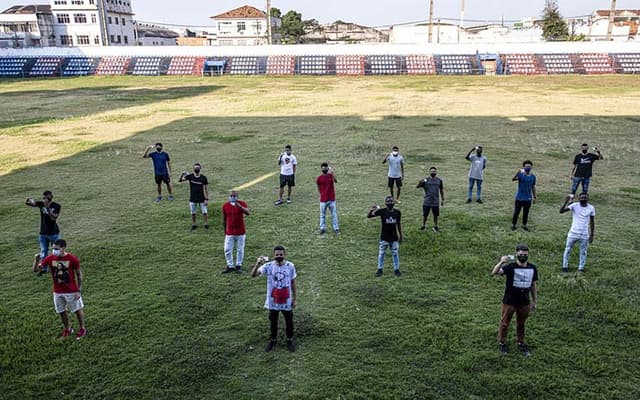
(233, 213)
(582, 227)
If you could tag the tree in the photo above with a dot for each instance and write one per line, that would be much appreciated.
(275, 12)
(292, 28)
(553, 26)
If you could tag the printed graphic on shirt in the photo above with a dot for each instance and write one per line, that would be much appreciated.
(60, 271)
(280, 291)
(522, 278)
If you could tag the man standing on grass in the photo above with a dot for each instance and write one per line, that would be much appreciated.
(583, 167)
(67, 286)
(525, 196)
(433, 198)
(396, 171)
(582, 229)
(326, 188)
(282, 293)
(390, 235)
(522, 278)
(49, 230)
(198, 194)
(233, 213)
(161, 169)
(288, 163)
(476, 172)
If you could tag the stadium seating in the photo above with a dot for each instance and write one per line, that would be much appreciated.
(243, 65)
(12, 66)
(420, 65)
(79, 66)
(597, 63)
(46, 66)
(186, 66)
(627, 63)
(146, 66)
(349, 65)
(382, 65)
(521, 64)
(557, 63)
(281, 65)
(455, 64)
(312, 65)
(113, 66)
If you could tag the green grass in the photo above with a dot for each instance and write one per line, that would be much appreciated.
(165, 324)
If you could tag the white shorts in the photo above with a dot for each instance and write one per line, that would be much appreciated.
(192, 207)
(62, 301)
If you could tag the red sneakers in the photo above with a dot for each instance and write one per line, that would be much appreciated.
(81, 333)
(66, 332)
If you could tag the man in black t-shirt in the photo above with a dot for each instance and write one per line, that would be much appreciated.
(199, 194)
(522, 278)
(582, 168)
(390, 235)
(49, 230)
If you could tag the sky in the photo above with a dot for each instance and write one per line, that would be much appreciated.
(364, 12)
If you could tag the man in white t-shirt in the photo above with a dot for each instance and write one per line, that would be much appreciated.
(582, 228)
(282, 293)
(287, 163)
(396, 171)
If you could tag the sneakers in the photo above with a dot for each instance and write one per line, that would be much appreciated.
(435, 229)
(194, 227)
(503, 348)
(170, 198)
(468, 201)
(288, 200)
(423, 227)
(397, 272)
(270, 346)
(524, 349)
(66, 332)
(278, 202)
(525, 228)
(290, 345)
(238, 269)
(322, 231)
(580, 270)
(336, 231)
(226, 270)
(81, 333)
(378, 273)
(158, 199)
(206, 227)
(479, 201)
(513, 227)
(565, 269)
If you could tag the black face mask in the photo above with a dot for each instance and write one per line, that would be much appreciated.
(389, 206)
(584, 203)
(159, 149)
(196, 170)
(279, 259)
(585, 151)
(523, 257)
(433, 174)
(324, 171)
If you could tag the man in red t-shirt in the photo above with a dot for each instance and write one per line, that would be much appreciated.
(327, 191)
(67, 286)
(233, 213)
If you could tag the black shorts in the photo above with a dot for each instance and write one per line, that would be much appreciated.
(398, 182)
(287, 180)
(426, 209)
(162, 178)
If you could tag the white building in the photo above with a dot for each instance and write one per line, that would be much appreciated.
(155, 35)
(93, 23)
(418, 33)
(26, 26)
(243, 26)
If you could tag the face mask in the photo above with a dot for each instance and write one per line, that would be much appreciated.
(527, 169)
(584, 203)
(433, 174)
(279, 259)
(395, 153)
(233, 199)
(196, 170)
(523, 257)
(389, 206)
(479, 152)
(585, 151)
(288, 152)
(57, 252)
(159, 149)
(324, 170)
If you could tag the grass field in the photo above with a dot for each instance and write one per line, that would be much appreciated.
(165, 324)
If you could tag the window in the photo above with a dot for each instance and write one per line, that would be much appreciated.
(241, 27)
(64, 19)
(126, 40)
(117, 20)
(92, 1)
(83, 39)
(94, 19)
(77, 2)
(122, 21)
(60, 2)
(96, 40)
(80, 18)
(258, 26)
(119, 39)
(66, 40)
(109, 19)
(113, 39)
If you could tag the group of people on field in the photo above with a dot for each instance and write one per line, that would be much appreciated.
(281, 274)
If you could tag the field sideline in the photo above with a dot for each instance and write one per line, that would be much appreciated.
(165, 324)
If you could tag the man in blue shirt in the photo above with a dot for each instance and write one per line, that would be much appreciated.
(525, 195)
(161, 169)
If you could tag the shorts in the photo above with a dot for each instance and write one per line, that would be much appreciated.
(398, 182)
(162, 178)
(64, 301)
(193, 206)
(287, 180)
(426, 209)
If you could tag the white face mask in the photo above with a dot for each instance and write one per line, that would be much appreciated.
(395, 153)
(57, 252)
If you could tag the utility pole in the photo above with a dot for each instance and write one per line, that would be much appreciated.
(430, 21)
(268, 21)
(612, 15)
(461, 20)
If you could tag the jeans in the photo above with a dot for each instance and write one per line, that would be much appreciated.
(522, 312)
(229, 242)
(331, 205)
(382, 251)
(478, 187)
(576, 182)
(524, 206)
(45, 242)
(571, 241)
(288, 320)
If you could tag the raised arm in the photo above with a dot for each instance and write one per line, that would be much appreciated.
(497, 269)
(468, 154)
(386, 156)
(256, 266)
(516, 176)
(372, 211)
(146, 152)
(564, 207)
